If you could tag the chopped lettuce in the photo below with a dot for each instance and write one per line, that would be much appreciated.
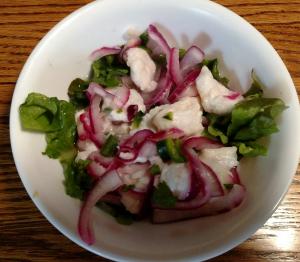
(163, 197)
(77, 181)
(56, 119)
(213, 66)
(107, 71)
(250, 120)
(77, 93)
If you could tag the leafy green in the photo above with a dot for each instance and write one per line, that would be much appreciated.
(107, 71)
(250, 149)
(168, 116)
(126, 188)
(137, 119)
(256, 89)
(56, 119)
(144, 38)
(218, 126)
(64, 138)
(154, 170)
(214, 68)
(228, 186)
(250, 120)
(245, 112)
(182, 52)
(170, 149)
(163, 197)
(77, 181)
(110, 147)
(121, 215)
(39, 113)
(77, 93)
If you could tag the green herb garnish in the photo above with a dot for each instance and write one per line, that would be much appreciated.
(154, 170)
(137, 119)
(110, 146)
(163, 197)
(168, 116)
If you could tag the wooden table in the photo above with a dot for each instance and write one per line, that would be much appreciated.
(25, 235)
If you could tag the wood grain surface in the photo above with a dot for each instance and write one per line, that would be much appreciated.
(25, 235)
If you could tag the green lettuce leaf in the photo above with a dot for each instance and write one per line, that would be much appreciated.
(256, 89)
(162, 196)
(107, 71)
(77, 181)
(77, 93)
(250, 149)
(39, 113)
(217, 126)
(213, 66)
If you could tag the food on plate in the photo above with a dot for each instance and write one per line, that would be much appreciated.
(154, 131)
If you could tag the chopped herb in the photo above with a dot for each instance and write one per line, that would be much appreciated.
(163, 197)
(182, 52)
(170, 149)
(154, 170)
(126, 188)
(121, 215)
(107, 110)
(144, 38)
(119, 111)
(110, 146)
(107, 71)
(228, 186)
(77, 93)
(214, 68)
(168, 116)
(137, 119)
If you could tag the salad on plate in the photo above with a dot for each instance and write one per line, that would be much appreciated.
(155, 131)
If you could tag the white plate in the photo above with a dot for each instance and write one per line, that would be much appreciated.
(63, 55)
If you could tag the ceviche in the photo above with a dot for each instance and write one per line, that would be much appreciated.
(154, 131)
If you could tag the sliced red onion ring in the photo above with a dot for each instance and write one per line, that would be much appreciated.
(170, 133)
(104, 51)
(85, 120)
(102, 160)
(96, 119)
(95, 170)
(235, 176)
(133, 42)
(161, 92)
(108, 183)
(193, 56)
(157, 43)
(130, 148)
(234, 95)
(188, 80)
(205, 179)
(96, 89)
(122, 94)
(132, 111)
(174, 67)
(214, 206)
(147, 150)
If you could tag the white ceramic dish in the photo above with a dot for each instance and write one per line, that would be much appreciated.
(63, 55)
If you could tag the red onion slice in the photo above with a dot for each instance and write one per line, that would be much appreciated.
(109, 182)
(170, 133)
(190, 91)
(157, 43)
(189, 80)
(235, 176)
(161, 92)
(104, 51)
(95, 170)
(102, 160)
(193, 56)
(174, 67)
(234, 95)
(216, 205)
(121, 94)
(96, 89)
